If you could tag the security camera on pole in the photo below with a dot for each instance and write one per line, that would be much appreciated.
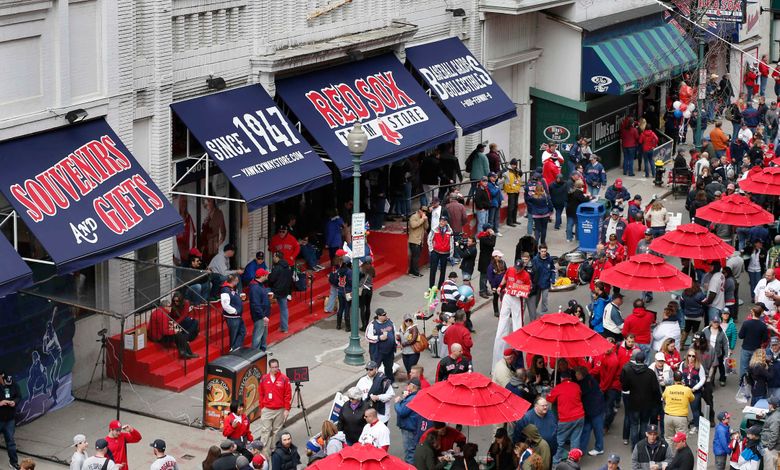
(357, 141)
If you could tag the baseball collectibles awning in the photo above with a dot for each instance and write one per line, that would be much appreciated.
(462, 84)
(398, 116)
(83, 195)
(253, 143)
(635, 60)
(15, 274)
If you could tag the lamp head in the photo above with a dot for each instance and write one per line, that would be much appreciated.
(357, 139)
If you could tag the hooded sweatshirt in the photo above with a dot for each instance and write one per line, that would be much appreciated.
(640, 384)
(640, 324)
(540, 445)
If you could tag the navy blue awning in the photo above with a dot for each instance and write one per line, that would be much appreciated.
(15, 274)
(83, 195)
(462, 84)
(263, 156)
(398, 116)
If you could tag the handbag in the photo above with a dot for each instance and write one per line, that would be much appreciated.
(421, 344)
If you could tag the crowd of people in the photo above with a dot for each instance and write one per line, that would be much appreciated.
(663, 365)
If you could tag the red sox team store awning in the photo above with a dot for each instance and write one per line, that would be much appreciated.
(256, 147)
(463, 85)
(398, 116)
(83, 195)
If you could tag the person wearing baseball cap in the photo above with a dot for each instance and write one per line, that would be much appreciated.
(408, 420)
(101, 459)
(260, 307)
(118, 437)
(720, 445)
(80, 455)
(285, 243)
(252, 266)
(441, 246)
(515, 285)
(572, 461)
(161, 460)
(651, 449)
(613, 463)
(683, 456)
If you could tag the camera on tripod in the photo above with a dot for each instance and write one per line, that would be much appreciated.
(102, 335)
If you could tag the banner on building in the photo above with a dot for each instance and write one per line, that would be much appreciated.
(37, 339)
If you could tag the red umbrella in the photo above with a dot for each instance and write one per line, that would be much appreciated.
(692, 241)
(470, 399)
(361, 457)
(762, 181)
(558, 335)
(735, 209)
(647, 273)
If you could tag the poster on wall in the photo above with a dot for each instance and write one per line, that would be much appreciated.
(605, 130)
(37, 338)
(205, 226)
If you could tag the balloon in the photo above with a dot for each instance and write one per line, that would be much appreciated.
(691, 107)
(685, 93)
(683, 107)
(676, 105)
(466, 292)
(687, 114)
(677, 113)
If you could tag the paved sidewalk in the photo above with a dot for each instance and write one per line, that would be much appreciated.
(320, 347)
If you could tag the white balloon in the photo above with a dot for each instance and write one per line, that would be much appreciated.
(676, 105)
(687, 114)
(691, 107)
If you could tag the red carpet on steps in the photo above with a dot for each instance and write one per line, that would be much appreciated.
(159, 366)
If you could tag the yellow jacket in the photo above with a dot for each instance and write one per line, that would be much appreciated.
(677, 397)
(513, 181)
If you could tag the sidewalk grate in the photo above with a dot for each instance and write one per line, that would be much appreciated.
(391, 293)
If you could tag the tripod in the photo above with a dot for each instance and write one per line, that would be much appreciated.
(299, 397)
(100, 361)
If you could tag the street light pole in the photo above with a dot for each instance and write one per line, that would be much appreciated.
(357, 141)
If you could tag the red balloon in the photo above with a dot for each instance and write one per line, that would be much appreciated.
(683, 107)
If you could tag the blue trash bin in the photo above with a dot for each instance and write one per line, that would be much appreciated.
(590, 218)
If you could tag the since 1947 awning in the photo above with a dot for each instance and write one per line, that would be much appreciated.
(263, 156)
(83, 195)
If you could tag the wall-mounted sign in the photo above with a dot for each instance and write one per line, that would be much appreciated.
(556, 133)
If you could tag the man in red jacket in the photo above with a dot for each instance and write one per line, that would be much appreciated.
(629, 140)
(571, 414)
(275, 403)
(640, 324)
(633, 233)
(607, 368)
(285, 243)
(458, 333)
(118, 437)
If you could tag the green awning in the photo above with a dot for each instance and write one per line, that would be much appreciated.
(635, 60)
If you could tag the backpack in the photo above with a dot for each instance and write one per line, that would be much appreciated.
(470, 161)
(728, 113)
(585, 272)
(298, 280)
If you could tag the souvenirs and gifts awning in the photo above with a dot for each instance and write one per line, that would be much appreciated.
(463, 85)
(83, 195)
(397, 114)
(257, 148)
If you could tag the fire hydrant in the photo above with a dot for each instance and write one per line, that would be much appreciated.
(659, 173)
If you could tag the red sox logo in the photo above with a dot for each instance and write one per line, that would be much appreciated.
(377, 95)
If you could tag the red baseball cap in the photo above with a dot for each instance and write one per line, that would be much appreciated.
(618, 183)
(196, 252)
(115, 424)
(575, 454)
(680, 437)
(261, 272)
(508, 352)
(340, 252)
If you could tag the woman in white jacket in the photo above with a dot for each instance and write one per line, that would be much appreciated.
(668, 328)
